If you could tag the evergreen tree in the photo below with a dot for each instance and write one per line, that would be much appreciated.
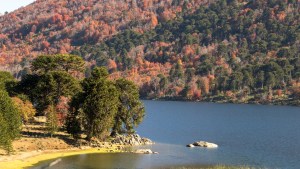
(52, 121)
(10, 122)
(46, 89)
(5, 77)
(46, 63)
(130, 111)
(99, 103)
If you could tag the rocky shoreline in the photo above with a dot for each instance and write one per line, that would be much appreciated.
(131, 140)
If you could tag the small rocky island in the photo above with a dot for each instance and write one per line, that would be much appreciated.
(203, 144)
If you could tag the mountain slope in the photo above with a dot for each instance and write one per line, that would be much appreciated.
(230, 50)
(58, 26)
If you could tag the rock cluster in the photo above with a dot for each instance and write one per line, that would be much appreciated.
(131, 139)
(203, 144)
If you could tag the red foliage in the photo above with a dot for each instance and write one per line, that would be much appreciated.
(62, 110)
(45, 45)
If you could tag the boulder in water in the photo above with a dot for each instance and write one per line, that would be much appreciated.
(144, 151)
(205, 144)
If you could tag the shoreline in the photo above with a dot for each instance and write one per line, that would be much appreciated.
(35, 146)
(274, 103)
(29, 159)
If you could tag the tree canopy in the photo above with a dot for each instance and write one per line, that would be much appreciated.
(60, 62)
(130, 110)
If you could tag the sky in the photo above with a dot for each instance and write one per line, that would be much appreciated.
(11, 5)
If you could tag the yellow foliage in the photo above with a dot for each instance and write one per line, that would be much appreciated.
(25, 108)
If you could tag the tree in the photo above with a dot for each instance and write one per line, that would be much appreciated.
(25, 108)
(236, 80)
(176, 72)
(163, 82)
(271, 80)
(75, 116)
(261, 78)
(52, 121)
(10, 122)
(46, 63)
(203, 84)
(248, 79)
(131, 110)
(99, 103)
(47, 89)
(5, 77)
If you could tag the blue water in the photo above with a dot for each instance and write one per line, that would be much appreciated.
(251, 135)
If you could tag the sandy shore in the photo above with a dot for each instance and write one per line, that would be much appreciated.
(34, 146)
(29, 159)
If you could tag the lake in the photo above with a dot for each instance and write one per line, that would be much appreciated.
(252, 135)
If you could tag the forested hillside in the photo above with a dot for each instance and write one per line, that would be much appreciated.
(223, 50)
(59, 26)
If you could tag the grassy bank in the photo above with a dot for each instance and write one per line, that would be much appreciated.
(36, 157)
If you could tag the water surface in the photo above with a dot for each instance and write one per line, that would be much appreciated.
(252, 135)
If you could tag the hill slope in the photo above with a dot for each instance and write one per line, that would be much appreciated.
(238, 50)
(58, 26)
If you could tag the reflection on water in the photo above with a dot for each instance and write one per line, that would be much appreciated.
(252, 135)
(94, 161)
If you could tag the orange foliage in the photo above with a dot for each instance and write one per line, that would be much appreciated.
(205, 84)
(25, 108)
(188, 50)
(281, 16)
(112, 65)
(154, 20)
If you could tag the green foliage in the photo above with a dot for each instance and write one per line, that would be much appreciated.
(5, 78)
(10, 122)
(47, 88)
(52, 121)
(46, 63)
(100, 107)
(130, 111)
(104, 107)
(75, 116)
(98, 102)
(100, 72)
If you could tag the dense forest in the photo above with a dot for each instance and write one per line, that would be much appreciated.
(230, 50)
(223, 50)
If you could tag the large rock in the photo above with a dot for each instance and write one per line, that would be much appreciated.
(205, 144)
(131, 139)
